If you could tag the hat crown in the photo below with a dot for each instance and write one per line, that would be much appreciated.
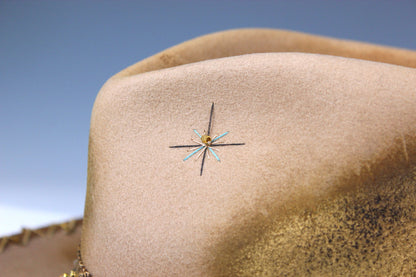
(309, 122)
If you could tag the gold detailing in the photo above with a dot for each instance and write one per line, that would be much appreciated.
(71, 274)
(80, 270)
(206, 139)
(27, 234)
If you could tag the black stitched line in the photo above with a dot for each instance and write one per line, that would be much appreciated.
(181, 146)
(226, 144)
(203, 160)
(210, 119)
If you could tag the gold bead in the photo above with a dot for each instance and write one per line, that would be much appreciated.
(206, 139)
(73, 274)
(64, 275)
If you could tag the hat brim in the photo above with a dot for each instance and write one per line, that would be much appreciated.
(48, 251)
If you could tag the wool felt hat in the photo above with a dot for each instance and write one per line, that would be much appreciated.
(250, 152)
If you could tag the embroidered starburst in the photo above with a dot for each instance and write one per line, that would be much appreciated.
(206, 144)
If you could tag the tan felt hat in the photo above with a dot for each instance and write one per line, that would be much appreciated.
(249, 152)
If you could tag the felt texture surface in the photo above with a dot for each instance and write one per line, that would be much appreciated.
(329, 155)
(311, 123)
(367, 231)
(248, 41)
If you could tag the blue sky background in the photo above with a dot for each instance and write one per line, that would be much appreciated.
(55, 56)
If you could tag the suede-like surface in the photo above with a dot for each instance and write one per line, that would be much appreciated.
(311, 124)
(367, 231)
(329, 155)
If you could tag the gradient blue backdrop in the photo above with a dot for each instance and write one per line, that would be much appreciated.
(55, 55)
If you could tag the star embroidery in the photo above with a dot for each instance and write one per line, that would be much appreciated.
(206, 143)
